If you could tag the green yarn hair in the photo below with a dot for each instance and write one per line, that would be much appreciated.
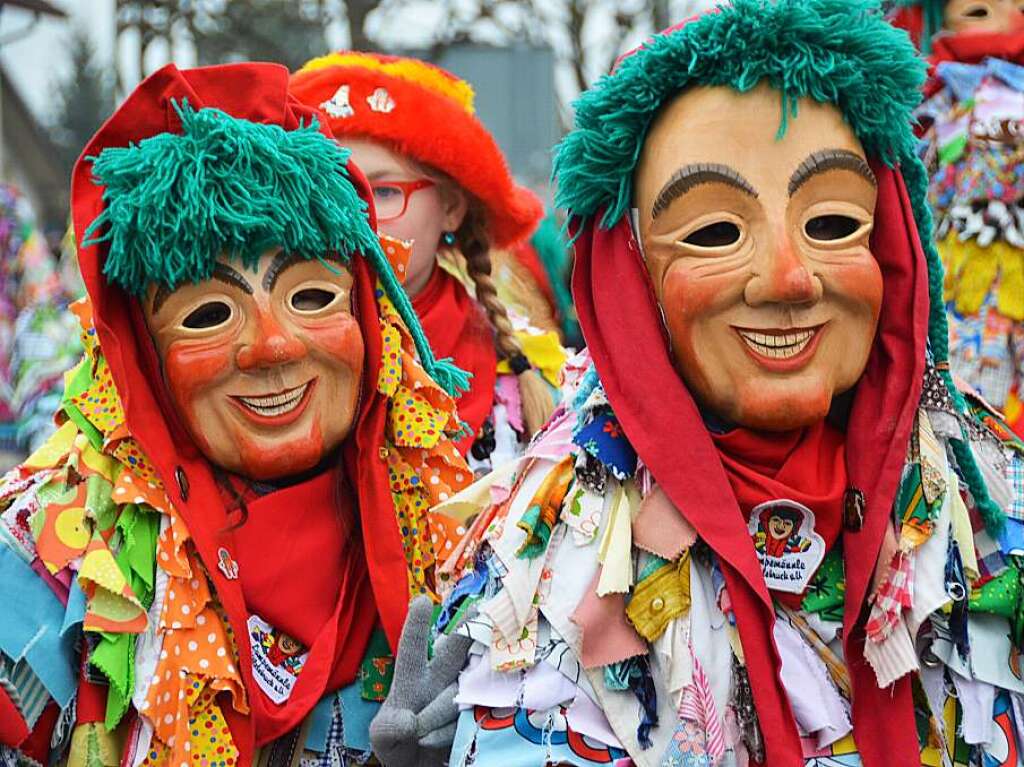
(555, 257)
(839, 52)
(176, 202)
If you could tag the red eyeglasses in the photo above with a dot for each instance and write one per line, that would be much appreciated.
(391, 198)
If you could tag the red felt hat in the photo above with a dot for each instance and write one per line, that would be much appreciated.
(425, 113)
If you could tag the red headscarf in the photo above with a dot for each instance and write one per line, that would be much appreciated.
(373, 565)
(630, 350)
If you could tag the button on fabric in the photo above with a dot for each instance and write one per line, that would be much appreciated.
(854, 505)
(182, 480)
(657, 604)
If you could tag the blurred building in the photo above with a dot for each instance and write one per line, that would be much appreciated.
(515, 99)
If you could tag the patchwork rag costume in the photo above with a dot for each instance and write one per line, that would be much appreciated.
(972, 144)
(175, 594)
(425, 113)
(749, 564)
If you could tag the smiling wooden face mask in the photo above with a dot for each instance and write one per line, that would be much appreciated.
(264, 366)
(758, 251)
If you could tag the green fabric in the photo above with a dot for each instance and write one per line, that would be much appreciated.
(1002, 596)
(78, 382)
(914, 510)
(538, 533)
(953, 151)
(654, 564)
(618, 675)
(378, 668)
(826, 594)
(114, 655)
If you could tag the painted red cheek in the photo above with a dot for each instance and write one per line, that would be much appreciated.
(341, 338)
(192, 369)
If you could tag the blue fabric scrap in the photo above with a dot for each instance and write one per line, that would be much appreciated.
(31, 628)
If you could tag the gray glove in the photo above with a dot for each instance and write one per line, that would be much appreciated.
(416, 725)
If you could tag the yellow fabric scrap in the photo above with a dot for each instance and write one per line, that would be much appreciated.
(660, 598)
(963, 532)
(973, 271)
(545, 353)
(616, 550)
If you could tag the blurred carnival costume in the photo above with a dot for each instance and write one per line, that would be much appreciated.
(973, 145)
(421, 114)
(764, 526)
(38, 337)
(207, 562)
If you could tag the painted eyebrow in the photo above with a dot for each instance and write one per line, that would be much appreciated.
(691, 176)
(830, 159)
(221, 272)
(283, 261)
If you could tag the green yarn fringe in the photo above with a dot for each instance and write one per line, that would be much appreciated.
(176, 202)
(840, 52)
(555, 257)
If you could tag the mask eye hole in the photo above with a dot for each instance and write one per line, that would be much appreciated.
(831, 227)
(717, 235)
(209, 315)
(308, 300)
(977, 12)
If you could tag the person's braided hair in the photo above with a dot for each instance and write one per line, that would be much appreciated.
(473, 242)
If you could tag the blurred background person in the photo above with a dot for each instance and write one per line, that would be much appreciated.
(973, 145)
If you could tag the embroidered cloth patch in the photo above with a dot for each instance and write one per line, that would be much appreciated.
(787, 547)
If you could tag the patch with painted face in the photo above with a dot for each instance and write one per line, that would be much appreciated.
(758, 251)
(787, 546)
(263, 366)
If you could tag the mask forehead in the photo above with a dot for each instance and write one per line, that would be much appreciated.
(718, 125)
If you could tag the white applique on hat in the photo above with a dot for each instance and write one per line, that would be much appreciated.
(380, 101)
(338, 105)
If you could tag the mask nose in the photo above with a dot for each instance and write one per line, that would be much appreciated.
(269, 344)
(781, 277)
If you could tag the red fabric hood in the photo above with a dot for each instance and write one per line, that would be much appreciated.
(256, 92)
(630, 351)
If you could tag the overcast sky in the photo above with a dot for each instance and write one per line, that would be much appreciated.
(36, 59)
(35, 55)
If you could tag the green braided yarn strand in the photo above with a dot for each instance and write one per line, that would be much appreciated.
(445, 372)
(916, 178)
